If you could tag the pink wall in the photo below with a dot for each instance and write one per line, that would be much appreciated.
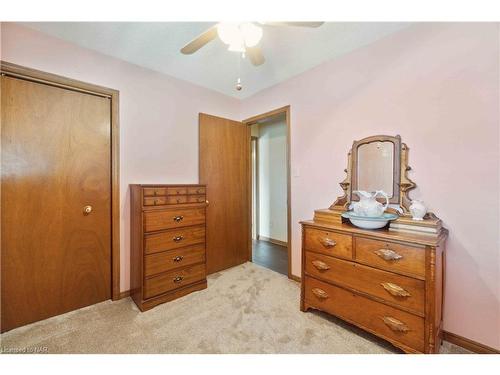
(158, 114)
(434, 84)
(437, 85)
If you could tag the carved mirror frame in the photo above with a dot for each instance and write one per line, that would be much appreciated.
(401, 182)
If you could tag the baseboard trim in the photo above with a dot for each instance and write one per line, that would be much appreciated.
(272, 240)
(469, 344)
(124, 294)
(295, 278)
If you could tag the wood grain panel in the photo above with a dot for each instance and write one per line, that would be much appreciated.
(169, 260)
(173, 218)
(174, 239)
(386, 321)
(173, 280)
(393, 288)
(410, 259)
(224, 167)
(56, 159)
(329, 243)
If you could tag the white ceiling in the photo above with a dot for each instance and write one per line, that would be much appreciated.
(288, 50)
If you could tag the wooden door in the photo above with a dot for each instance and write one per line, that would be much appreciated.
(56, 160)
(224, 168)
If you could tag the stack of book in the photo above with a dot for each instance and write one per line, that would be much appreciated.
(431, 225)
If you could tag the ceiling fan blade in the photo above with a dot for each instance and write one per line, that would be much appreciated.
(299, 24)
(255, 55)
(193, 46)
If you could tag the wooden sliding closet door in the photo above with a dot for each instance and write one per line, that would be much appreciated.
(56, 163)
(224, 167)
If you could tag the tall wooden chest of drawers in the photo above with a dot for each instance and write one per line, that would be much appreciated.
(388, 283)
(167, 250)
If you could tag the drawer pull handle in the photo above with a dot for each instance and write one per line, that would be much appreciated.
(395, 290)
(178, 238)
(178, 279)
(178, 218)
(327, 242)
(322, 266)
(388, 254)
(320, 293)
(395, 324)
(156, 201)
(178, 258)
(156, 192)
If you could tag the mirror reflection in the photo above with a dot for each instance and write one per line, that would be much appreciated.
(375, 169)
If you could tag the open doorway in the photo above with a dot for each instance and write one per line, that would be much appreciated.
(270, 213)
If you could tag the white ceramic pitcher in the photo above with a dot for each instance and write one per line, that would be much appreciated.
(368, 204)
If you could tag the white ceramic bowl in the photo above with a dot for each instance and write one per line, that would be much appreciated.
(367, 222)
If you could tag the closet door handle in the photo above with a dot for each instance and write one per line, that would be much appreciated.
(395, 290)
(322, 266)
(395, 325)
(178, 279)
(178, 218)
(178, 238)
(320, 293)
(327, 242)
(178, 258)
(388, 254)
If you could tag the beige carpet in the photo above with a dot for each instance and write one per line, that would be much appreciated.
(246, 309)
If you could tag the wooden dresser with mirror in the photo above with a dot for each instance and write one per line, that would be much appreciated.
(387, 281)
(167, 250)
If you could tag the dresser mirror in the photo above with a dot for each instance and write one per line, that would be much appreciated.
(378, 162)
(376, 166)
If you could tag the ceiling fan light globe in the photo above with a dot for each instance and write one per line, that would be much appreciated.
(229, 32)
(251, 33)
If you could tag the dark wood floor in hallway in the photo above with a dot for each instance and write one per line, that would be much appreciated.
(269, 255)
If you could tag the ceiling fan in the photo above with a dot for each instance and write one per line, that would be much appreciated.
(241, 37)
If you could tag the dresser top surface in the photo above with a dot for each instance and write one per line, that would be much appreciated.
(165, 185)
(384, 234)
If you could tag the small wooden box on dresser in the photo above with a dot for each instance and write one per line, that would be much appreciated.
(167, 257)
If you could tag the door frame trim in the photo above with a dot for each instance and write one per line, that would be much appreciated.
(250, 121)
(18, 71)
(257, 204)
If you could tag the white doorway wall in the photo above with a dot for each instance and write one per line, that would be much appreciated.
(269, 176)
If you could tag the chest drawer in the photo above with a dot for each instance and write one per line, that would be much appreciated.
(195, 199)
(153, 192)
(404, 259)
(399, 290)
(196, 190)
(169, 260)
(178, 190)
(173, 280)
(329, 243)
(155, 201)
(173, 218)
(163, 200)
(174, 239)
(385, 321)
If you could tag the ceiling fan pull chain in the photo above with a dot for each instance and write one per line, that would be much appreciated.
(238, 82)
